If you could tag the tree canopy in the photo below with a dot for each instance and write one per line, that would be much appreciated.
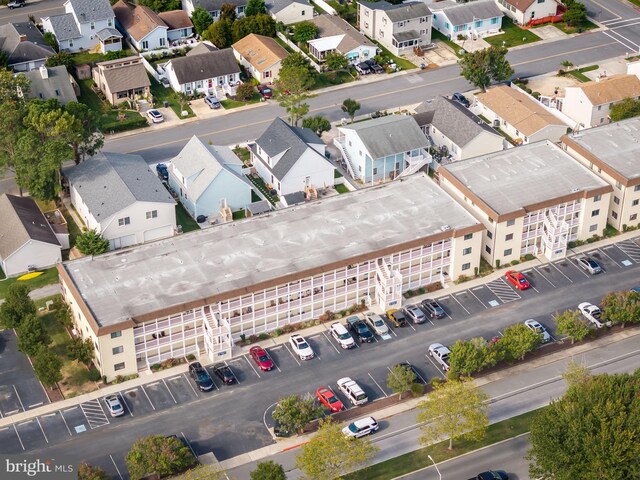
(317, 123)
(305, 31)
(47, 365)
(621, 308)
(516, 341)
(201, 20)
(570, 323)
(160, 455)
(483, 67)
(350, 107)
(255, 7)
(627, 108)
(400, 379)
(295, 412)
(32, 335)
(17, 305)
(161, 5)
(90, 242)
(268, 470)
(91, 472)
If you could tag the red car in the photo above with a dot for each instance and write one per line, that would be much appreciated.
(261, 357)
(518, 279)
(265, 91)
(329, 400)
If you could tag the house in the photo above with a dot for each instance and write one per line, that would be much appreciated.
(214, 7)
(200, 293)
(455, 131)
(117, 195)
(523, 11)
(383, 148)
(24, 46)
(292, 159)
(212, 72)
(207, 177)
(85, 25)
(518, 115)
(533, 200)
(143, 27)
(399, 27)
(472, 20)
(613, 153)
(27, 242)
(122, 79)
(179, 25)
(52, 82)
(290, 11)
(589, 104)
(261, 56)
(337, 35)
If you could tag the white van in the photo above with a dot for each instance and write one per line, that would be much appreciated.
(361, 427)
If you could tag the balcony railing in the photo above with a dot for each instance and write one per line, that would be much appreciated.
(180, 337)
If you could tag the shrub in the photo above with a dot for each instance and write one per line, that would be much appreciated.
(191, 357)
(561, 73)
(263, 336)
(421, 291)
(155, 367)
(94, 375)
(417, 389)
(119, 379)
(571, 245)
(432, 287)
(529, 256)
(462, 278)
(515, 262)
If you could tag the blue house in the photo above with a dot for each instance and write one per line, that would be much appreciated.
(208, 178)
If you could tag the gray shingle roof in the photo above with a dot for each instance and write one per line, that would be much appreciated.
(109, 182)
(455, 121)
(275, 6)
(92, 10)
(213, 5)
(20, 221)
(389, 135)
(281, 137)
(405, 36)
(206, 65)
(31, 49)
(64, 27)
(460, 14)
(201, 48)
(108, 33)
(57, 84)
(400, 12)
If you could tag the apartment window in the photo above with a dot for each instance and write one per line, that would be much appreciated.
(118, 366)
(593, 228)
(487, 248)
(494, 21)
(510, 223)
(616, 200)
(468, 236)
(635, 202)
(124, 221)
(375, 171)
(636, 188)
(116, 334)
(508, 252)
(633, 217)
(600, 108)
(302, 12)
(597, 198)
(509, 237)
(466, 266)
(614, 214)
(466, 251)
(478, 23)
(489, 234)
(152, 214)
(595, 213)
(117, 350)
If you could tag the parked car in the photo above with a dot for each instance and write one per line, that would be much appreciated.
(353, 391)
(341, 335)
(261, 357)
(359, 329)
(213, 102)
(539, 329)
(416, 314)
(397, 317)
(114, 405)
(361, 427)
(155, 116)
(440, 354)
(201, 376)
(375, 66)
(517, 279)
(329, 399)
(593, 313)
(301, 347)
(461, 99)
(363, 68)
(492, 475)
(16, 4)
(433, 308)
(265, 91)
(376, 323)
(406, 365)
(589, 265)
(163, 173)
(224, 373)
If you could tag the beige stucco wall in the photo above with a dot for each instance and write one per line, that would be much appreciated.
(294, 13)
(465, 263)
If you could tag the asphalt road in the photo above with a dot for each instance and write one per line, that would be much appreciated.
(229, 421)
(37, 8)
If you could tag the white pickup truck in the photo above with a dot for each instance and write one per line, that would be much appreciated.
(593, 314)
(352, 390)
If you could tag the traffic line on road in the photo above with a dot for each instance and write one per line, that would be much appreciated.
(117, 469)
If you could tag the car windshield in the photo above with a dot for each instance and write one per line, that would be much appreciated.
(332, 399)
(595, 313)
(378, 323)
(344, 336)
(522, 280)
(116, 406)
(592, 263)
(202, 376)
(263, 358)
(353, 428)
(303, 345)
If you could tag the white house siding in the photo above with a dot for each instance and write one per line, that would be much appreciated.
(225, 186)
(577, 106)
(361, 53)
(206, 86)
(173, 35)
(538, 9)
(33, 253)
(310, 164)
(138, 223)
(481, 27)
(89, 39)
(294, 13)
(152, 41)
(483, 144)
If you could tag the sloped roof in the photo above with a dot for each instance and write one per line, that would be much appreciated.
(58, 80)
(521, 5)
(106, 33)
(275, 6)
(176, 19)
(463, 13)
(207, 162)
(401, 11)
(333, 25)
(389, 135)
(138, 20)
(206, 65)
(213, 5)
(109, 182)
(33, 48)
(260, 51)
(126, 77)
(65, 27)
(20, 221)
(516, 108)
(203, 47)
(92, 10)
(611, 89)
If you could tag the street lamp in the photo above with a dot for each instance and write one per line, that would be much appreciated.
(436, 466)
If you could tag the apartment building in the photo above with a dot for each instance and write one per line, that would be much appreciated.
(199, 292)
(534, 199)
(613, 153)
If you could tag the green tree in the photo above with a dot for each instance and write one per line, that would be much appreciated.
(81, 350)
(350, 107)
(260, 24)
(228, 12)
(47, 366)
(295, 412)
(10, 87)
(621, 307)
(32, 335)
(576, 373)
(570, 323)
(591, 432)
(317, 123)
(304, 32)
(4, 58)
(297, 59)
(50, 39)
(12, 128)
(161, 5)
(296, 109)
(61, 58)
(470, 356)
(576, 13)
(90, 242)
(336, 61)
(329, 453)
(85, 138)
(268, 470)
(627, 108)
(91, 472)
(516, 341)
(159, 455)
(254, 7)
(61, 311)
(17, 305)
(204, 472)
(483, 67)
(245, 91)
(220, 33)
(400, 379)
(201, 20)
(455, 409)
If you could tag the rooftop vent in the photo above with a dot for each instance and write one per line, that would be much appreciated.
(575, 190)
(445, 228)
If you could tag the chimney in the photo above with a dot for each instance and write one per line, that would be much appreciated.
(23, 38)
(44, 72)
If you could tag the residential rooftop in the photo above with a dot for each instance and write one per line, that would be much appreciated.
(272, 248)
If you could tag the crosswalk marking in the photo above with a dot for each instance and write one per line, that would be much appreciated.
(503, 291)
(630, 249)
(94, 413)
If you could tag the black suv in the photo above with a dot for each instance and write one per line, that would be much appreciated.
(224, 373)
(360, 330)
(163, 173)
(200, 376)
(433, 308)
(375, 66)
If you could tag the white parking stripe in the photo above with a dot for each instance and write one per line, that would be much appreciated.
(438, 367)
(378, 385)
(169, 390)
(292, 354)
(463, 307)
(329, 340)
(574, 264)
(147, 395)
(420, 377)
(35, 405)
(14, 389)
(273, 361)
(65, 423)
(191, 384)
(252, 367)
(631, 249)
(481, 303)
(607, 255)
(124, 400)
(42, 430)
(117, 469)
(543, 276)
(189, 443)
(561, 273)
(16, 430)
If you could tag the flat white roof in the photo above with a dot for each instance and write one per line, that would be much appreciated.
(241, 254)
(510, 180)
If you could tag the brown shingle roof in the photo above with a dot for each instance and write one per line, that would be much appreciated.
(176, 19)
(127, 77)
(260, 51)
(612, 89)
(517, 109)
(137, 20)
(521, 5)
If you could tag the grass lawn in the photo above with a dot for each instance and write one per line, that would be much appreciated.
(341, 188)
(239, 215)
(336, 173)
(579, 73)
(86, 57)
(418, 459)
(284, 45)
(163, 94)
(436, 35)
(243, 154)
(183, 218)
(512, 36)
(49, 277)
(260, 185)
(229, 103)
(402, 63)
(635, 2)
(332, 78)
(255, 197)
(583, 27)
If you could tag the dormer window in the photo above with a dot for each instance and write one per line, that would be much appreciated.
(93, 25)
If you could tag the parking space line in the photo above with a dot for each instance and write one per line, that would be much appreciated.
(117, 469)
(329, 340)
(458, 301)
(438, 368)
(543, 276)
(560, 271)
(36, 405)
(476, 297)
(420, 377)
(189, 443)
(630, 248)
(252, 367)
(294, 356)
(408, 323)
(378, 385)
(66, 424)
(273, 361)
(169, 390)
(42, 430)
(605, 253)
(573, 263)
(11, 412)
(125, 401)
(232, 372)
(18, 435)
(501, 289)
(15, 390)
(147, 395)
(191, 384)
